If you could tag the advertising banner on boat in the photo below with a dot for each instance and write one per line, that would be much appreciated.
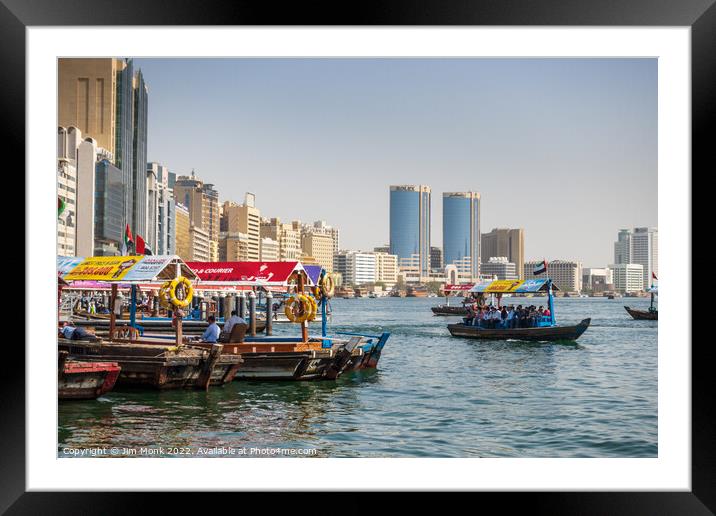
(502, 286)
(66, 263)
(246, 273)
(532, 285)
(103, 268)
(148, 268)
(451, 288)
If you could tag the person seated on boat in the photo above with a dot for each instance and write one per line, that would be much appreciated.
(503, 316)
(75, 332)
(546, 312)
(212, 332)
(520, 316)
(234, 319)
(471, 315)
(482, 316)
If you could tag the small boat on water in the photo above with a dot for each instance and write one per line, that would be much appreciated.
(360, 292)
(79, 380)
(416, 291)
(652, 314)
(345, 292)
(454, 310)
(545, 328)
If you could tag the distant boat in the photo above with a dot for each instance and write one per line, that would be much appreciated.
(360, 292)
(416, 291)
(652, 314)
(344, 292)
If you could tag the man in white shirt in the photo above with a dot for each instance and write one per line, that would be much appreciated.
(234, 319)
(211, 334)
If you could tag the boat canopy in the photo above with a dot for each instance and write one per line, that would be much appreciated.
(653, 290)
(128, 269)
(314, 272)
(66, 263)
(530, 286)
(249, 274)
(458, 288)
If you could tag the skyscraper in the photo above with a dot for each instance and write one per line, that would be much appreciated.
(202, 201)
(410, 225)
(639, 246)
(505, 242)
(461, 230)
(139, 155)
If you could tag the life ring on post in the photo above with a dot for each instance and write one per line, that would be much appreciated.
(180, 292)
(328, 286)
(313, 308)
(297, 308)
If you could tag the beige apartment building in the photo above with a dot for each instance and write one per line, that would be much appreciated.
(234, 247)
(244, 219)
(566, 274)
(182, 242)
(386, 268)
(200, 247)
(202, 201)
(320, 247)
(505, 242)
(288, 238)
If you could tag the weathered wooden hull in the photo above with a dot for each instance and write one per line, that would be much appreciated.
(643, 314)
(449, 310)
(162, 326)
(157, 366)
(552, 333)
(85, 380)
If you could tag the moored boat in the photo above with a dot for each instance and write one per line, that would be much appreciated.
(544, 333)
(416, 291)
(80, 380)
(652, 314)
(447, 309)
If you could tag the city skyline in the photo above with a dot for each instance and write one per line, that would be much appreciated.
(515, 130)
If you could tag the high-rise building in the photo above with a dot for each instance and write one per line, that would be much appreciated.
(151, 234)
(199, 242)
(105, 100)
(320, 247)
(109, 209)
(160, 221)
(269, 250)
(461, 230)
(500, 267)
(382, 249)
(202, 201)
(436, 259)
(640, 245)
(622, 247)
(410, 224)
(67, 193)
(565, 274)
(356, 268)
(628, 277)
(139, 155)
(597, 280)
(244, 219)
(386, 268)
(182, 224)
(288, 238)
(320, 227)
(234, 247)
(506, 242)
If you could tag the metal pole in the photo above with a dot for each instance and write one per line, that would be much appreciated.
(269, 313)
(299, 290)
(550, 299)
(242, 305)
(133, 307)
(112, 316)
(252, 313)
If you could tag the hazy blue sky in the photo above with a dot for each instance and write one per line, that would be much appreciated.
(565, 148)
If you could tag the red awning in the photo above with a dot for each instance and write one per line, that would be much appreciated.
(246, 273)
(466, 286)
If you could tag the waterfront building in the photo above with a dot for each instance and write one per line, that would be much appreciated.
(67, 192)
(356, 267)
(320, 247)
(461, 230)
(597, 280)
(109, 209)
(386, 268)
(269, 250)
(509, 243)
(622, 247)
(288, 238)
(199, 240)
(500, 268)
(320, 227)
(182, 243)
(234, 247)
(410, 224)
(152, 210)
(202, 201)
(639, 245)
(628, 277)
(105, 100)
(566, 274)
(162, 230)
(244, 219)
(436, 258)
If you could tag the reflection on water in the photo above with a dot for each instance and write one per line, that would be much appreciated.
(433, 395)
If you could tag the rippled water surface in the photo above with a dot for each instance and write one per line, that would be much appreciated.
(432, 396)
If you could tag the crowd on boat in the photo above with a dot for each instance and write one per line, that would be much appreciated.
(493, 317)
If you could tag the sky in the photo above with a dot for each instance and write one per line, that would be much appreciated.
(564, 148)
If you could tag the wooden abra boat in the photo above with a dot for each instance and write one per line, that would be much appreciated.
(84, 380)
(540, 333)
(649, 315)
(449, 310)
(545, 328)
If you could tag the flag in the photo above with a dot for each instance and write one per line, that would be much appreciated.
(60, 205)
(540, 268)
(127, 238)
(653, 276)
(139, 248)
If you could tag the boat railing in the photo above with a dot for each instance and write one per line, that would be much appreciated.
(382, 339)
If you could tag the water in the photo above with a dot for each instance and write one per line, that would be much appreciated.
(432, 396)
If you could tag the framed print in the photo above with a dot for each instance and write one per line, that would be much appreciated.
(411, 250)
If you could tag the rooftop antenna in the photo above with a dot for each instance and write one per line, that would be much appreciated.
(193, 174)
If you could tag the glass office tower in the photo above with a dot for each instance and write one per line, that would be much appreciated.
(461, 231)
(410, 224)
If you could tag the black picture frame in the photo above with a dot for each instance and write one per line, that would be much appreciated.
(700, 15)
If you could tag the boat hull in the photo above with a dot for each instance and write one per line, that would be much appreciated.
(645, 315)
(449, 310)
(548, 333)
(85, 380)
